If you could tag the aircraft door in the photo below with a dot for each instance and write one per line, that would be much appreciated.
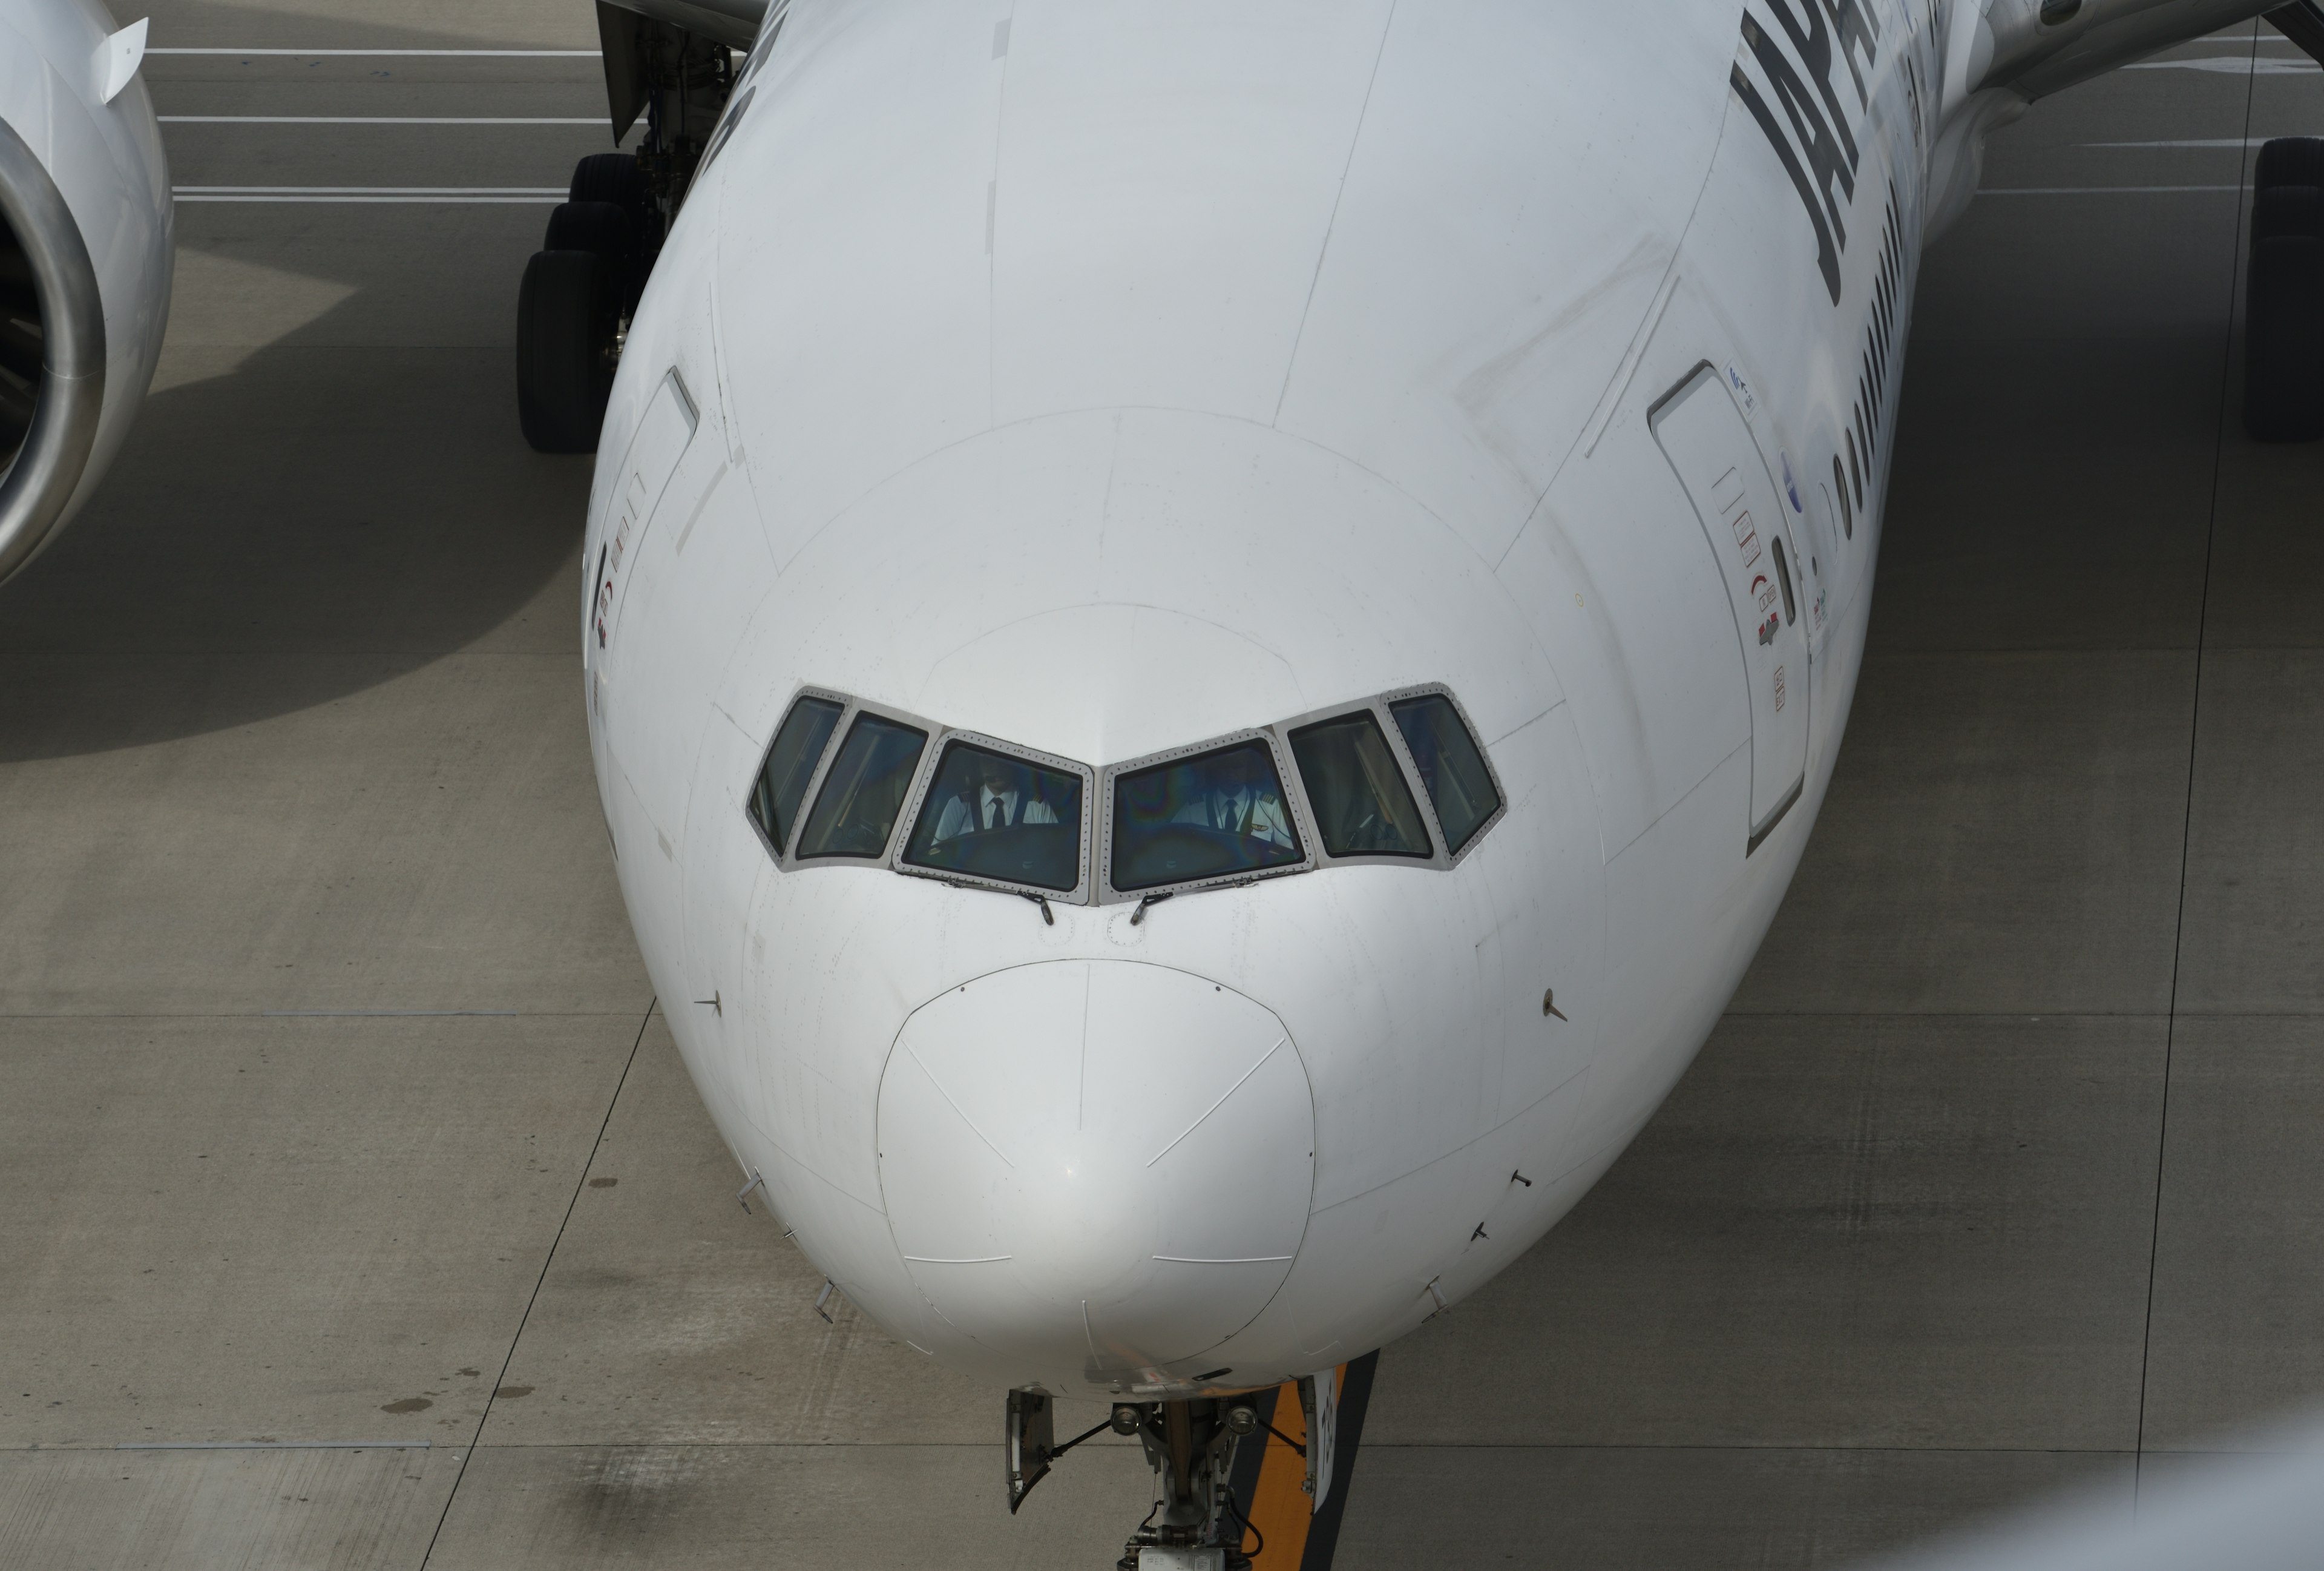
(1709, 445)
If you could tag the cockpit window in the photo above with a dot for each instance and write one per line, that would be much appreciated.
(1451, 765)
(1218, 813)
(790, 764)
(992, 815)
(856, 811)
(1355, 790)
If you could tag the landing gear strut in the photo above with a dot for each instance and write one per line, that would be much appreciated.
(582, 285)
(1196, 1523)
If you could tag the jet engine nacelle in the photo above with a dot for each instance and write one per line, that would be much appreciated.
(85, 258)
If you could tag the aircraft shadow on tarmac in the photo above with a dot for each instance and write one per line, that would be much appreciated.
(295, 524)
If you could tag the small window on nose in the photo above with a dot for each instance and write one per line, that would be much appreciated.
(863, 792)
(1452, 765)
(1361, 805)
(790, 764)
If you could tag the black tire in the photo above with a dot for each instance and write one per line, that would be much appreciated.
(2290, 161)
(609, 176)
(565, 323)
(2283, 300)
(601, 227)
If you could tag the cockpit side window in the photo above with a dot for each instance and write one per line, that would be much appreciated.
(1218, 813)
(1355, 790)
(863, 792)
(1452, 766)
(790, 764)
(993, 815)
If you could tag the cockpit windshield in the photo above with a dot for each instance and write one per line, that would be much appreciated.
(1356, 790)
(1217, 813)
(992, 815)
(856, 811)
(1397, 776)
(790, 763)
(1451, 766)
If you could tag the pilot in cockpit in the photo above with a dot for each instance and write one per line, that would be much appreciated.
(996, 800)
(1240, 797)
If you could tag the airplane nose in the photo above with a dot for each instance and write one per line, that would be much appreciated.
(1099, 1165)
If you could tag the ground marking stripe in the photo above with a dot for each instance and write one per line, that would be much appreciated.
(368, 53)
(380, 120)
(272, 1446)
(371, 190)
(386, 202)
(2095, 191)
(360, 196)
(1279, 1507)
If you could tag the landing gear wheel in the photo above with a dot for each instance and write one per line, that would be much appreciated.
(2284, 336)
(620, 179)
(609, 176)
(567, 313)
(606, 230)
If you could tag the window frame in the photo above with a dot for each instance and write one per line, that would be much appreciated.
(925, 782)
(1295, 797)
(790, 860)
(815, 776)
(1095, 887)
(1446, 858)
(1377, 707)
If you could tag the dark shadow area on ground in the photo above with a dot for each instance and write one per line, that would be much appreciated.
(317, 515)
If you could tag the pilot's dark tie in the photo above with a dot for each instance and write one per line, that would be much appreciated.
(992, 814)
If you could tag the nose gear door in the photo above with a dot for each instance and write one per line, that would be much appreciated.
(1709, 445)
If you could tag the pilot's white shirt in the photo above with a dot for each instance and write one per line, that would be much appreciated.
(1259, 815)
(957, 819)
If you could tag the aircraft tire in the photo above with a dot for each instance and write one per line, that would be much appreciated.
(608, 177)
(2283, 318)
(620, 179)
(566, 311)
(606, 229)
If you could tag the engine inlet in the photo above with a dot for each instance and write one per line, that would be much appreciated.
(52, 354)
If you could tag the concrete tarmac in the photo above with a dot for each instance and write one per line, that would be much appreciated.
(356, 1210)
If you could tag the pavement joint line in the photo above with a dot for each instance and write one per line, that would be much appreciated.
(2227, 405)
(580, 1182)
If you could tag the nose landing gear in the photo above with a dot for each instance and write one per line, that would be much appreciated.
(1196, 1524)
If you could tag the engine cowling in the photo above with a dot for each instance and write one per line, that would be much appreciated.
(84, 259)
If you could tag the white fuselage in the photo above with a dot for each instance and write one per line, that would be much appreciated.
(1107, 379)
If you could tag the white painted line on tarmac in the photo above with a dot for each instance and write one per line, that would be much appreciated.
(383, 1013)
(2229, 65)
(455, 196)
(2095, 191)
(368, 53)
(380, 120)
(272, 1446)
(379, 201)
